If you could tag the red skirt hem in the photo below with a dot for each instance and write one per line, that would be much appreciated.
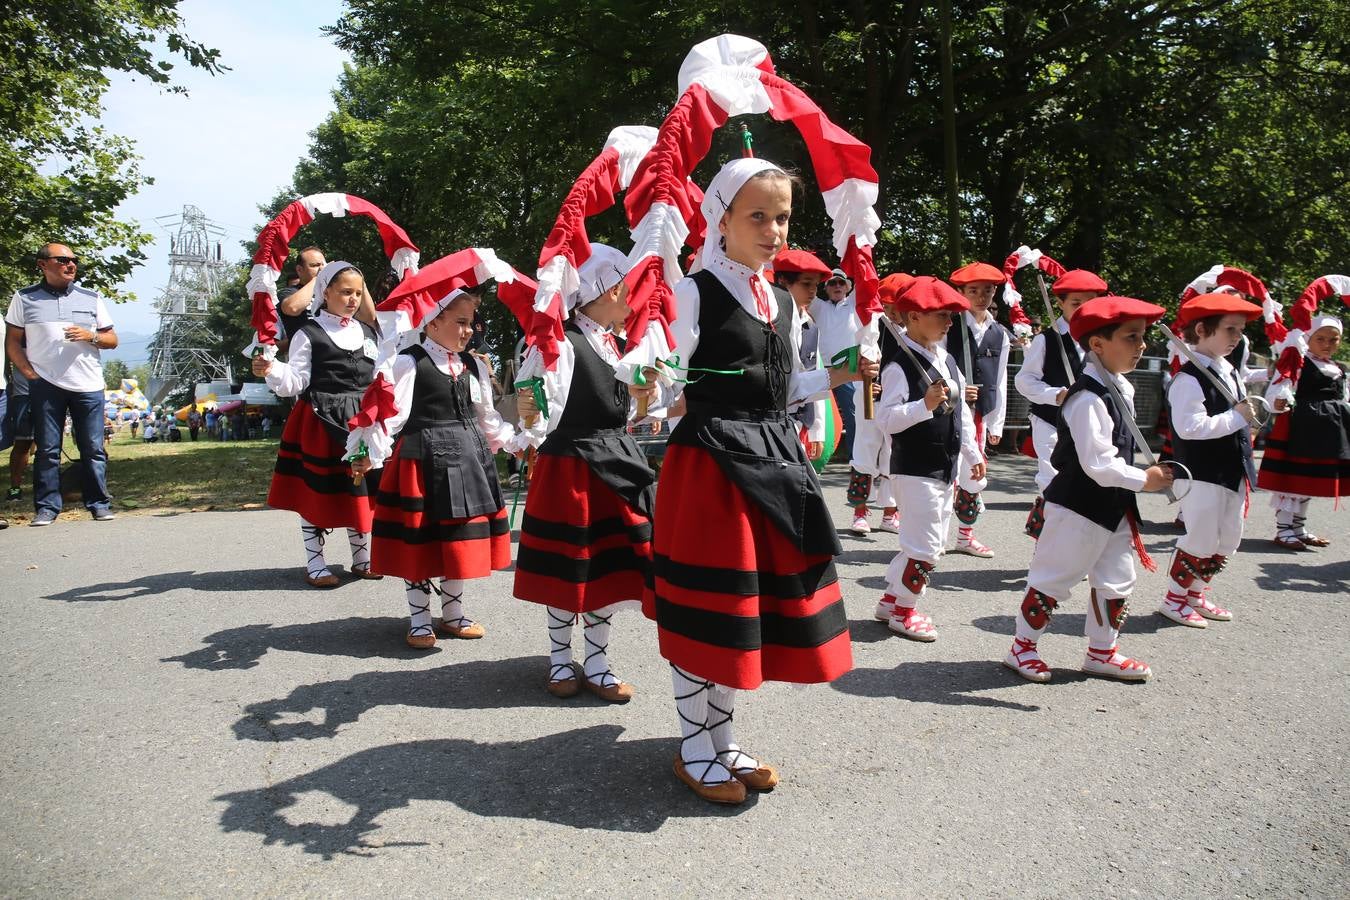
(312, 478)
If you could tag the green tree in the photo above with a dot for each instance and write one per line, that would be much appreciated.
(114, 370)
(61, 175)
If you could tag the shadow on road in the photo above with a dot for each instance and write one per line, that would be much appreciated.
(361, 637)
(1328, 578)
(477, 684)
(1142, 622)
(275, 579)
(585, 778)
(948, 683)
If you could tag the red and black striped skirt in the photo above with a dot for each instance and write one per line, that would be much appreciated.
(414, 542)
(582, 546)
(734, 599)
(1286, 470)
(312, 478)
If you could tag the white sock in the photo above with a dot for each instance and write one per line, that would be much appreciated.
(360, 544)
(560, 644)
(595, 631)
(721, 707)
(696, 745)
(419, 607)
(1299, 518)
(314, 537)
(452, 602)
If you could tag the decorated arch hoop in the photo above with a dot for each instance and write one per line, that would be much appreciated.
(1020, 258)
(726, 76)
(274, 246)
(568, 246)
(1292, 346)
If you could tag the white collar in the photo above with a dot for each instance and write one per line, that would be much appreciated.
(931, 355)
(736, 278)
(589, 325)
(331, 322)
(1062, 325)
(445, 360)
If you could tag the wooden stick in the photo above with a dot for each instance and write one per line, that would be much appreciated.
(869, 404)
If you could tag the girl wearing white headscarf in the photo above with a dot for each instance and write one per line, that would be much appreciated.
(331, 363)
(745, 588)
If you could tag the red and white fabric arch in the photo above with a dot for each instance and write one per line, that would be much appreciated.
(274, 246)
(726, 76)
(1303, 316)
(1020, 258)
(1287, 347)
(568, 245)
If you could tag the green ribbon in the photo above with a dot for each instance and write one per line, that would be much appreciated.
(847, 357)
(362, 452)
(536, 386)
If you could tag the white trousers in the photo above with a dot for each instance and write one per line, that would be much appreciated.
(1213, 517)
(963, 479)
(1044, 438)
(1072, 546)
(925, 518)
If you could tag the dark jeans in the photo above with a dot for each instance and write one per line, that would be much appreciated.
(6, 422)
(843, 397)
(50, 405)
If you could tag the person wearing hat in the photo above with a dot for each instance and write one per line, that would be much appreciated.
(330, 363)
(932, 438)
(988, 345)
(439, 513)
(585, 541)
(1308, 448)
(1211, 437)
(1045, 382)
(800, 272)
(1091, 512)
(831, 315)
(870, 467)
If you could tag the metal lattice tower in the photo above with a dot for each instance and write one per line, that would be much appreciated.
(180, 353)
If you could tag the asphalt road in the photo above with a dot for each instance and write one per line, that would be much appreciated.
(184, 716)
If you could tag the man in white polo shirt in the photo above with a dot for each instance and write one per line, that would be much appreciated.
(55, 331)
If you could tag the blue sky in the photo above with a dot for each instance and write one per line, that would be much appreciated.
(234, 139)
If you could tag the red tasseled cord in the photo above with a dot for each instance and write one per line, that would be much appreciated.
(1144, 559)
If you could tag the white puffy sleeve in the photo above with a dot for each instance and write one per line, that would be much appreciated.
(290, 378)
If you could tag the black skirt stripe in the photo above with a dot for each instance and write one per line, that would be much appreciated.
(737, 581)
(584, 535)
(579, 571)
(751, 633)
(441, 531)
(310, 458)
(319, 483)
(1328, 469)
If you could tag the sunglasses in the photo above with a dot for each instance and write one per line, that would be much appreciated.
(62, 260)
(836, 282)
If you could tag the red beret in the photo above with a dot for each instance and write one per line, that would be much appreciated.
(1205, 305)
(1079, 280)
(892, 285)
(977, 272)
(929, 294)
(1102, 311)
(800, 261)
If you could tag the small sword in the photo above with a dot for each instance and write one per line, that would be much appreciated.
(1127, 414)
(946, 405)
(1215, 380)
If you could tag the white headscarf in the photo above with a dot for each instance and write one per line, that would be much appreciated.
(599, 273)
(725, 185)
(325, 278)
(1326, 321)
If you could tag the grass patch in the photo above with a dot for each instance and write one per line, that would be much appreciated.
(204, 475)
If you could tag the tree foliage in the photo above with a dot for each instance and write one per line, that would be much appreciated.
(61, 175)
(1147, 140)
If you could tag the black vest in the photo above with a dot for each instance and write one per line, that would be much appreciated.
(1224, 461)
(984, 355)
(730, 339)
(596, 399)
(931, 448)
(333, 370)
(1314, 385)
(1073, 488)
(1053, 374)
(438, 399)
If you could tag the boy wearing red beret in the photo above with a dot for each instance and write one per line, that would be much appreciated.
(1211, 436)
(977, 340)
(1044, 379)
(1091, 513)
(932, 439)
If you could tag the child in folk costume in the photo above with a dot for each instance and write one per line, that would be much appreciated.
(977, 340)
(330, 364)
(1308, 449)
(1091, 512)
(585, 541)
(932, 439)
(439, 512)
(870, 468)
(745, 586)
(1211, 437)
(1045, 383)
(799, 272)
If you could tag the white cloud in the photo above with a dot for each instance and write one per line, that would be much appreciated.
(235, 138)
